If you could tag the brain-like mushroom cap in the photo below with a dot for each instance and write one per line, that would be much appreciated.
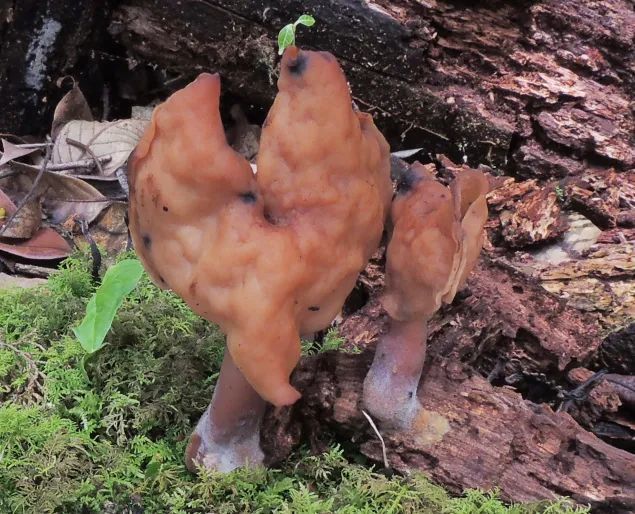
(437, 237)
(271, 256)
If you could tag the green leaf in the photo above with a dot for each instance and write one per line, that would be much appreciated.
(306, 19)
(118, 281)
(286, 37)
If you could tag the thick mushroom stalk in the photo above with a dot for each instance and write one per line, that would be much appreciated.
(436, 240)
(266, 257)
(228, 434)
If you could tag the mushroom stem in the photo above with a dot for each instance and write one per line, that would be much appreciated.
(228, 434)
(390, 387)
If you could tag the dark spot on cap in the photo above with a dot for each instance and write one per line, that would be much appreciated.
(248, 197)
(193, 287)
(410, 394)
(314, 308)
(298, 65)
(165, 209)
(147, 241)
(406, 182)
(269, 217)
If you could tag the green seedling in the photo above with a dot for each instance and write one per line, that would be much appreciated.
(118, 282)
(560, 193)
(286, 36)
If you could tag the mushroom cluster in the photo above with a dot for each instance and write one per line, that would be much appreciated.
(272, 256)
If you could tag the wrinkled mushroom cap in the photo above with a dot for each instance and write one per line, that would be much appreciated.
(437, 237)
(271, 256)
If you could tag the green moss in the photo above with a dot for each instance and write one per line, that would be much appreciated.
(108, 434)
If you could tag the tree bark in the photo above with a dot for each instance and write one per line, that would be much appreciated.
(40, 42)
(543, 89)
(477, 434)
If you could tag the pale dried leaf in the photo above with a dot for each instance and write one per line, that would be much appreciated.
(12, 151)
(46, 244)
(114, 139)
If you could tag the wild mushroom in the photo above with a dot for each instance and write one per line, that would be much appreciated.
(436, 240)
(266, 257)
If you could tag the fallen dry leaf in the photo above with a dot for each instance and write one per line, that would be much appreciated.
(73, 106)
(25, 223)
(46, 244)
(109, 231)
(11, 151)
(114, 139)
(62, 196)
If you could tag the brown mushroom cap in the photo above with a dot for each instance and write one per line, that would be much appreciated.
(272, 256)
(437, 237)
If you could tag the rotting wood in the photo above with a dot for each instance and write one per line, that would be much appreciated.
(41, 41)
(494, 438)
(501, 330)
(541, 88)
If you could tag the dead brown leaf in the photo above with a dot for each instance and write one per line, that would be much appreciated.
(73, 106)
(24, 223)
(62, 196)
(11, 151)
(46, 244)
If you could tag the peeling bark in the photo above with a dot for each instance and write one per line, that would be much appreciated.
(541, 88)
(477, 435)
(505, 330)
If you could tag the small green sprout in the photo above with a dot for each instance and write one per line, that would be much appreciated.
(560, 193)
(118, 282)
(286, 37)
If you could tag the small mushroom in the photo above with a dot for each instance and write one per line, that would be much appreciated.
(436, 240)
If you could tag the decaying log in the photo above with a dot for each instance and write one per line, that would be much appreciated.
(477, 434)
(542, 88)
(504, 324)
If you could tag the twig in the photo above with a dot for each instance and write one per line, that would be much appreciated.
(381, 439)
(34, 145)
(30, 269)
(31, 192)
(86, 148)
(86, 163)
(581, 392)
(7, 174)
(94, 251)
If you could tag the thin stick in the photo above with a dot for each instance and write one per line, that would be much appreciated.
(31, 192)
(86, 163)
(34, 145)
(86, 148)
(7, 174)
(381, 439)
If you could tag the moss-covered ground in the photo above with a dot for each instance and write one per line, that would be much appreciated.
(107, 433)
